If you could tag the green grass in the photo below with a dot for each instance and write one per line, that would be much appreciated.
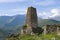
(38, 37)
(27, 37)
(57, 37)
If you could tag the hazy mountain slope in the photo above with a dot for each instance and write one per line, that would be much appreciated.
(12, 24)
(43, 22)
(57, 18)
(15, 21)
(3, 20)
(11, 20)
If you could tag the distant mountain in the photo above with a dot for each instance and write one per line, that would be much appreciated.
(9, 19)
(15, 21)
(57, 18)
(2, 34)
(12, 24)
(43, 22)
(3, 20)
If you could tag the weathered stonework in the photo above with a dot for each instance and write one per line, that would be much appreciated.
(31, 17)
(48, 29)
(31, 21)
(58, 30)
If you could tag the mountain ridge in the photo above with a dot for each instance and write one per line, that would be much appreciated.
(13, 24)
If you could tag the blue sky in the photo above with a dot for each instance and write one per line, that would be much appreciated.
(45, 8)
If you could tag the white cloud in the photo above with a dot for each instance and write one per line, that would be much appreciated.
(44, 15)
(11, 12)
(4, 1)
(55, 10)
(44, 2)
(34, 2)
(22, 11)
(3, 14)
(53, 13)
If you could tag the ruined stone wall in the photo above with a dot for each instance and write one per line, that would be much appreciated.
(50, 29)
(58, 30)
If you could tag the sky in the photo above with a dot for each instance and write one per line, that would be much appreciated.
(45, 8)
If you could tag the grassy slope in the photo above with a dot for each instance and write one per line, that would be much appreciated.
(36, 37)
(43, 22)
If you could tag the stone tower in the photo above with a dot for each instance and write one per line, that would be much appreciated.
(31, 17)
(31, 26)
